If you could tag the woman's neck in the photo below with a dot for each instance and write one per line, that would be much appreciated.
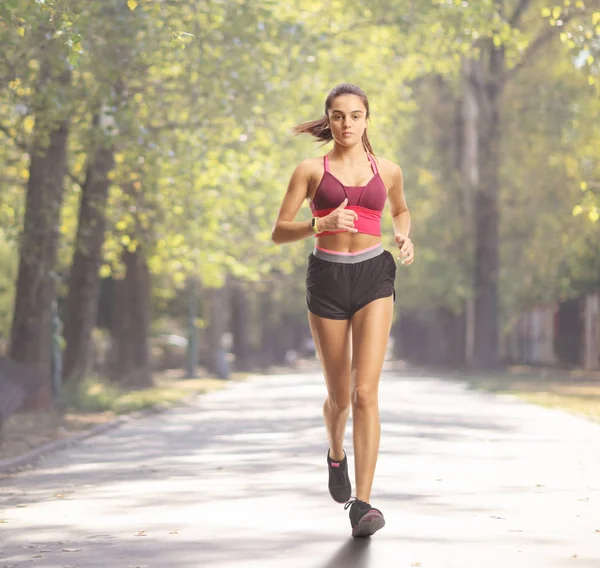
(349, 155)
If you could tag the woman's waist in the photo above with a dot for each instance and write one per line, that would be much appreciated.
(347, 243)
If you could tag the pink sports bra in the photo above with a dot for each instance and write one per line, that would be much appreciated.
(367, 201)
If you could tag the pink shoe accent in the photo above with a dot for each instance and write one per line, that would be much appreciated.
(333, 464)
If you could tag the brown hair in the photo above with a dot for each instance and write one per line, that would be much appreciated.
(320, 128)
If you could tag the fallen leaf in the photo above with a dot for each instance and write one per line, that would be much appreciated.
(71, 549)
(59, 495)
(140, 533)
(21, 505)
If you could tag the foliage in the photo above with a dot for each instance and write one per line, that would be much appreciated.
(198, 100)
(8, 275)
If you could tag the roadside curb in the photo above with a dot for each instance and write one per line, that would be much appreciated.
(16, 464)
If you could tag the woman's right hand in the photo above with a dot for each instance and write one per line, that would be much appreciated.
(340, 219)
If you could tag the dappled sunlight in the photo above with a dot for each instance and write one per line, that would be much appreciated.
(238, 479)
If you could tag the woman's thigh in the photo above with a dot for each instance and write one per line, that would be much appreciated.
(332, 340)
(370, 333)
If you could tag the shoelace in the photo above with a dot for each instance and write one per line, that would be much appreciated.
(354, 500)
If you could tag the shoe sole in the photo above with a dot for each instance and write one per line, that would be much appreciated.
(344, 499)
(369, 524)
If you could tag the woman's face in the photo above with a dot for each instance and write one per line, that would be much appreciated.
(347, 119)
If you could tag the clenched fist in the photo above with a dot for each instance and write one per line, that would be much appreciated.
(340, 219)
(407, 249)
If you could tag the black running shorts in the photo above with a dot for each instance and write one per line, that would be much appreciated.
(337, 286)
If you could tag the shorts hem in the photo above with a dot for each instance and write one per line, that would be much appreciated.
(376, 297)
(339, 318)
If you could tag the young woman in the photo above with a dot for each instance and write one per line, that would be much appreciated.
(349, 283)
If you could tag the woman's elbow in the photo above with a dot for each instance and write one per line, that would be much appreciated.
(276, 235)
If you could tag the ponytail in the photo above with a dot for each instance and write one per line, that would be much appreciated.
(321, 131)
(367, 143)
(317, 128)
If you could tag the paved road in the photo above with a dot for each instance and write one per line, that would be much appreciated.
(238, 480)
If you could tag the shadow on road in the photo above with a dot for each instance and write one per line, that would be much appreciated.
(353, 554)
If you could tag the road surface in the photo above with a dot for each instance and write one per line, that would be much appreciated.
(238, 479)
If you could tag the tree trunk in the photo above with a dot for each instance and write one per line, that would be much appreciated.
(240, 326)
(31, 340)
(217, 325)
(130, 323)
(84, 280)
(486, 76)
(469, 165)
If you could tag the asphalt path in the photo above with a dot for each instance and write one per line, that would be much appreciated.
(238, 479)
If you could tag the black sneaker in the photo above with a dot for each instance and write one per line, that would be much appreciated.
(339, 482)
(364, 519)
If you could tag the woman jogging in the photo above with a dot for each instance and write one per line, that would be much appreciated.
(349, 283)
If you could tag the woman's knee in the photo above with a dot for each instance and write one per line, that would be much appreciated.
(364, 397)
(338, 403)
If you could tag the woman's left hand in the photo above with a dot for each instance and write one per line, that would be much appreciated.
(407, 249)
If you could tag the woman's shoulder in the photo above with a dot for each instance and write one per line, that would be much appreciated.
(390, 171)
(312, 163)
(310, 167)
(387, 166)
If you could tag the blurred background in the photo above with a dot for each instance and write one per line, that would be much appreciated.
(145, 147)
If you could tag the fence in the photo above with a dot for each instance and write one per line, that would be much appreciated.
(562, 333)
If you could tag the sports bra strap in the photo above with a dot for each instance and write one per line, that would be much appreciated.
(373, 164)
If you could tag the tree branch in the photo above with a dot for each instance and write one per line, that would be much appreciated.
(75, 179)
(19, 143)
(514, 19)
(545, 35)
(178, 125)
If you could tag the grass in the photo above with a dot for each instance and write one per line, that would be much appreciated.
(573, 391)
(96, 395)
(95, 402)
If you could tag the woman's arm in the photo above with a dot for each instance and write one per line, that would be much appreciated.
(286, 230)
(400, 216)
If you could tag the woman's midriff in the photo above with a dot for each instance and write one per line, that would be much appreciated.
(347, 242)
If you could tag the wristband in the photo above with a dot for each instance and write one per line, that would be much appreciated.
(313, 225)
